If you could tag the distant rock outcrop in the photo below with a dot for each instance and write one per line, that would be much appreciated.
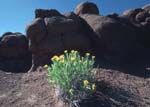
(115, 37)
(14, 52)
(147, 8)
(117, 40)
(41, 13)
(140, 19)
(87, 8)
(52, 35)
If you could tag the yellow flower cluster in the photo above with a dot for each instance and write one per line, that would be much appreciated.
(58, 58)
(87, 54)
(55, 58)
(73, 51)
(93, 57)
(61, 57)
(93, 87)
(65, 51)
(86, 84)
(72, 58)
(46, 66)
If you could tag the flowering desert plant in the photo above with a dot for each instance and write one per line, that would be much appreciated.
(72, 73)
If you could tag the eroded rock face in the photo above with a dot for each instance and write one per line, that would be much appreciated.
(52, 35)
(14, 52)
(87, 7)
(113, 15)
(132, 12)
(147, 8)
(14, 45)
(115, 37)
(140, 20)
(117, 40)
(41, 13)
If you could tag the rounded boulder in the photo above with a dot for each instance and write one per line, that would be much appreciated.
(87, 7)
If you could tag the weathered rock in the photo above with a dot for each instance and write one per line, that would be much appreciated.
(136, 16)
(14, 45)
(14, 52)
(132, 12)
(87, 30)
(87, 7)
(36, 33)
(113, 36)
(117, 40)
(70, 15)
(7, 33)
(52, 35)
(113, 15)
(141, 16)
(147, 19)
(147, 8)
(41, 13)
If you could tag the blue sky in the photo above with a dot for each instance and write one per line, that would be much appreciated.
(16, 14)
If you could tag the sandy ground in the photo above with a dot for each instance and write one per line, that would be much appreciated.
(115, 89)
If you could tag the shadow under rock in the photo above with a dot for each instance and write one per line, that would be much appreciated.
(108, 96)
(139, 65)
(15, 65)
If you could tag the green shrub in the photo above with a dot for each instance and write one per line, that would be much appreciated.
(72, 73)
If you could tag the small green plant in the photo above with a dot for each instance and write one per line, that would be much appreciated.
(72, 73)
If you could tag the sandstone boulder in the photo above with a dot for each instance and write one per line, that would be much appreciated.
(132, 12)
(117, 40)
(113, 15)
(14, 45)
(147, 19)
(87, 7)
(14, 53)
(6, 33)
(116, 37)
(147, 8)
(139, 18)
(52, 35)
(87, 30)
(41, 13)
(36, 33)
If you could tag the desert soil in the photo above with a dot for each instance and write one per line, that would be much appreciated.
(115, 89)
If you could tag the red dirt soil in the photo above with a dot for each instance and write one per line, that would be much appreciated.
(115, 89)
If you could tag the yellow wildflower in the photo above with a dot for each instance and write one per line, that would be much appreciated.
(87, 54)
(93, 87)
(86, 82)
(75, 52)
(56, 58)
(46, 66)
(72, 51)
(65, 51)
(93, 57)
(72, 58)
(62, 61)
(61, 56)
